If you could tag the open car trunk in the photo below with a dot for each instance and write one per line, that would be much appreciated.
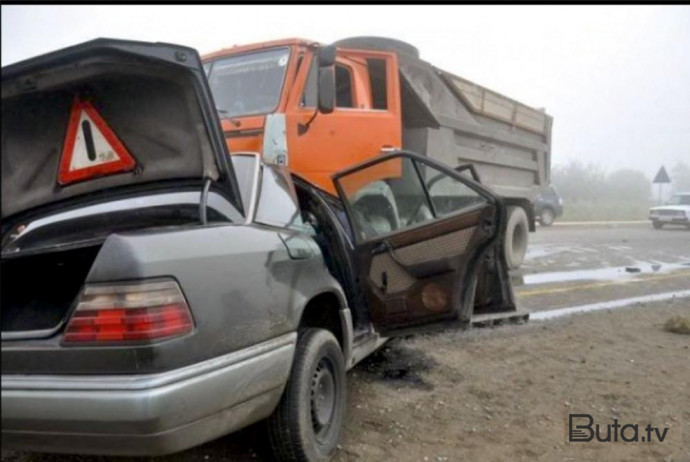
(91, 135)
(103, 117)
(39, 290)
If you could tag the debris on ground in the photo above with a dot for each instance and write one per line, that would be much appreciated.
(678, 325)
(397, 364)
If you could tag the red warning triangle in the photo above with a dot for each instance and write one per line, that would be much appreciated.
(91, 147)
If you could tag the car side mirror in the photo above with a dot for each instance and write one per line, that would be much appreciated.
(326, 56)
(326, 90)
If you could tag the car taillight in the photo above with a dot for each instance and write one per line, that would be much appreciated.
(146, 311)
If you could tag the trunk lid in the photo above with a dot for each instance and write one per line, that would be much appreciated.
(150, 101)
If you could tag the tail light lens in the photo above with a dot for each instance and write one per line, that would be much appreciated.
(135, 312)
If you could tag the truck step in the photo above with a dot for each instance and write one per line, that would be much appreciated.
(499, 319)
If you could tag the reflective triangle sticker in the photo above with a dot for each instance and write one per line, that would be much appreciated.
(91, 147)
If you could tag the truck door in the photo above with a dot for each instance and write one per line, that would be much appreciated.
(365, 121)
(418, 248)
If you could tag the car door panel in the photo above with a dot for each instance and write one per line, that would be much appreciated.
(413, 275)
(417, 275)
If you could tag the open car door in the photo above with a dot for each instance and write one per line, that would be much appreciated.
(427, 238)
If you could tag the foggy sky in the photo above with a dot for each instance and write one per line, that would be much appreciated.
(615, 79)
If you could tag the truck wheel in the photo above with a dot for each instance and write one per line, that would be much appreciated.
(308, 421)
(516, 239)
(546, 217)
(657, 224)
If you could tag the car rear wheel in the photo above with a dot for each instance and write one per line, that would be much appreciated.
(307, 424)
(546, 217)
(657, 224)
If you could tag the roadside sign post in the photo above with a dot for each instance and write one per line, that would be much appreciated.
(661, 178)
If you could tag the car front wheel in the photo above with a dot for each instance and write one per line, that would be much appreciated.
(657, 224)
(307, 424)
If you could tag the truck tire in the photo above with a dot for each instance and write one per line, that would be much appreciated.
(546, 216)
(308, 422)
(517, 237)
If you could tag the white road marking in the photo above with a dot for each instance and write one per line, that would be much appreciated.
(605, 274)
(621, 303)
(585, 223)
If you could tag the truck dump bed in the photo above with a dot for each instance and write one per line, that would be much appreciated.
(457, 121)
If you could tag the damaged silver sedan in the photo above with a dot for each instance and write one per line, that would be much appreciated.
(158, 292)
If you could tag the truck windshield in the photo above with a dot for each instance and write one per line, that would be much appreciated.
(249, 83)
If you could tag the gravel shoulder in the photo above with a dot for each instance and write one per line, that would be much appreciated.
(505, 393)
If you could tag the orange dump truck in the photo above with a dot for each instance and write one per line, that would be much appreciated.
(319, 109)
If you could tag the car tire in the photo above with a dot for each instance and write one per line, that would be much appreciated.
(546, 217)
(657, 224)
(307, 424)
(516, 238)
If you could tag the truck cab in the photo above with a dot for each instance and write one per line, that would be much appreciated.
(385, 98)
(267, 94)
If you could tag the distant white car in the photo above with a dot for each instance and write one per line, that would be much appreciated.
(675, 212)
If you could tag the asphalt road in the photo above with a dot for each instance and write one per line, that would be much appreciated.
(565, 266)
(576, 265)
(574, 247)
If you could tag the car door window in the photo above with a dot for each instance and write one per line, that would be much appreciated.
(385, 198)
(245, 171)
(278, 204)
(420, 230)
(449, 195)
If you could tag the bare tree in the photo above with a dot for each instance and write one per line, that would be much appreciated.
(590, 183)
(680, 177)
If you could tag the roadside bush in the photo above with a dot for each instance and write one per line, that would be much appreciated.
(587, 210)
(590, 193)
(678, 325)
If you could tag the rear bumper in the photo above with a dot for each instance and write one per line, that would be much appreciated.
(145, 415)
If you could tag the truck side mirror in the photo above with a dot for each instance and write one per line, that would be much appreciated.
(326, 90)
(326, 56)
(325, 86)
